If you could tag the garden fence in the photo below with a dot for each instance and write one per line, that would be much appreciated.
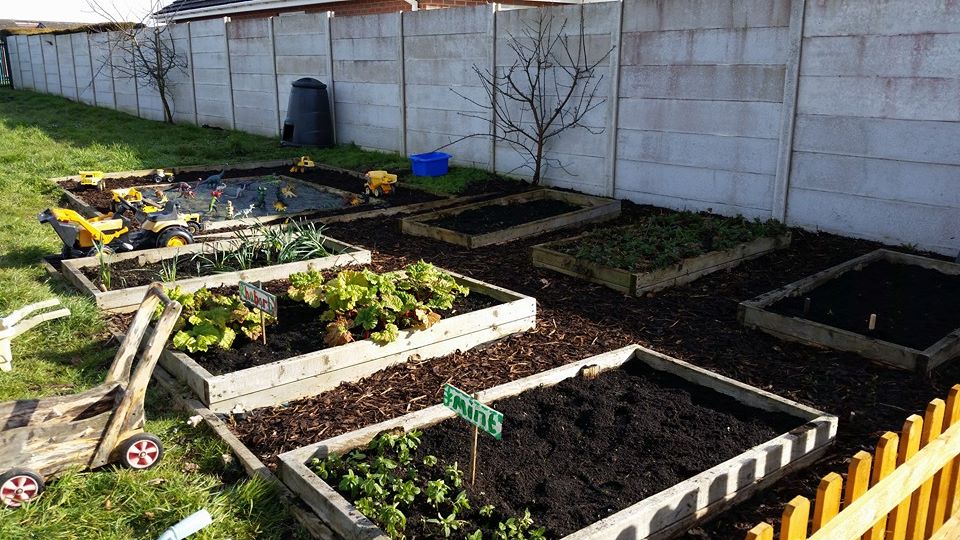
(5, 79)
(908, 489)
(828, 115)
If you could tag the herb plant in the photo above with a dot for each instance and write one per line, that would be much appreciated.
(376, 305)
(390, 487)
(660, 241)
(213, 320)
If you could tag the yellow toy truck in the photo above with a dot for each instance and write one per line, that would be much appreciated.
(302, 164)
(379, 183)
(92, 179)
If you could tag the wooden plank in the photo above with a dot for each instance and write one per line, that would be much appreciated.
(884, 463)
(909, 444)
(858, 517)
(763, 531)
(655, 517)
(949, 531)
(944, 480)
(311, 373)
(126, 299)
(920, 503)
(686, 271)
(827, 506)
(753, 314)
(858, 477)
(794, 523)
(594, 209)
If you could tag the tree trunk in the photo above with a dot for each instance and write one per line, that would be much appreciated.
(537, 164)
(167, 113)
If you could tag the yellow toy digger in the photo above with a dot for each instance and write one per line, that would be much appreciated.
(81, 235)
(135, 200)
(302, 164)
(379, 183)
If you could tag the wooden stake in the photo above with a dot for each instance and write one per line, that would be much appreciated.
(806, 305)
(473, 452)
(263, 326)
(872, 325)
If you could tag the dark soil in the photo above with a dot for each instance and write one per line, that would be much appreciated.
(582, 450)
(496, 217)
(298, 330)
(915, 306)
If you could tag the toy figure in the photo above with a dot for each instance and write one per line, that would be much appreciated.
(229, 209)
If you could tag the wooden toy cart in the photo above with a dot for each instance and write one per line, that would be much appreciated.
(41, 437)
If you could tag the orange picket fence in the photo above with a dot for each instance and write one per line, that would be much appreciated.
(909, 489)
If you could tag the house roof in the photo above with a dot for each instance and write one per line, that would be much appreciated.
(188, 5)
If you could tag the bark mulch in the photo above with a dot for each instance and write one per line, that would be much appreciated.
(696, 323)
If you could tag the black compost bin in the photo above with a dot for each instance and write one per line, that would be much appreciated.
(308, 121)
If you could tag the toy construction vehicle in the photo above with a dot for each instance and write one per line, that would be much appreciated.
(133, 199)
(302, 164)
(92, 179)
(43, 437)
(81, 236)
(379, 183)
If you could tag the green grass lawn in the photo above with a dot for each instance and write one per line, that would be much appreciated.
(44, 136)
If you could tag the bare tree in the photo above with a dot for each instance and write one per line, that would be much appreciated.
(550, 88)
(150, 47)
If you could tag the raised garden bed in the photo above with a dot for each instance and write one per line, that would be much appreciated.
(306, 368)
(122, 298)
(647, 448)
(659, 252)
(510, 218)
(914, 299)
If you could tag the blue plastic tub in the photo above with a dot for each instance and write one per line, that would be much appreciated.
(430, 164)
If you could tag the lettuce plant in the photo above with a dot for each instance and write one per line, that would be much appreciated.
(211, 320)
(376, 305)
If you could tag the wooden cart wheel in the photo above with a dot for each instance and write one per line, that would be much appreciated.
(20, 486)
(141, 451)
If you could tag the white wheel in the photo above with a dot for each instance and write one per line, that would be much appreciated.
(141, 451)
(20, 486)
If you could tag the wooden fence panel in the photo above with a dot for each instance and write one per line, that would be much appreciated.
(909, 489)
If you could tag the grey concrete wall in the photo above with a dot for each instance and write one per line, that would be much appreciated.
(576, 158)
(65, 66)
(877, 141)
(701, 92)
(13, 49)
(441, 47)
(83, 67)
(102, 70)
(707, 112)
(124, 83)
(181, 92)
(253, 76)
(302, 49)
(211, 73)
(367, 70)
(48, 59)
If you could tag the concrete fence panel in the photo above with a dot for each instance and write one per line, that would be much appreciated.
(181, 80)
(368, 78)
(302, 49)
(253, 76)
(65, 68)
(125, 86)
(211, 73)
(441, 50)
(102, 70)
(83, 68)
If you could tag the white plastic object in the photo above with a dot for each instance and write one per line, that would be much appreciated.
(191, 524)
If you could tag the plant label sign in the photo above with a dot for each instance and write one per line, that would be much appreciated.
(471, 410)
(258, 298)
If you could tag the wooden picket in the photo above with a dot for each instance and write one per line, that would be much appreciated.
(909, 489)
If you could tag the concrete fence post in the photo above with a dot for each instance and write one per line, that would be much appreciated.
(781, 184)
(613, 109)
(331, 86)
(276, 81)
(93, 72)
(403, 86)
(193, 74)
(492, 32)
(226, 48)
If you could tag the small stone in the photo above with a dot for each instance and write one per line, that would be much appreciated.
(194, 421)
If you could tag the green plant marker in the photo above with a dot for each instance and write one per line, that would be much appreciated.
(481, 416)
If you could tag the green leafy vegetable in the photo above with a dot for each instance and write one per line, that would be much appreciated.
(210, 320)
